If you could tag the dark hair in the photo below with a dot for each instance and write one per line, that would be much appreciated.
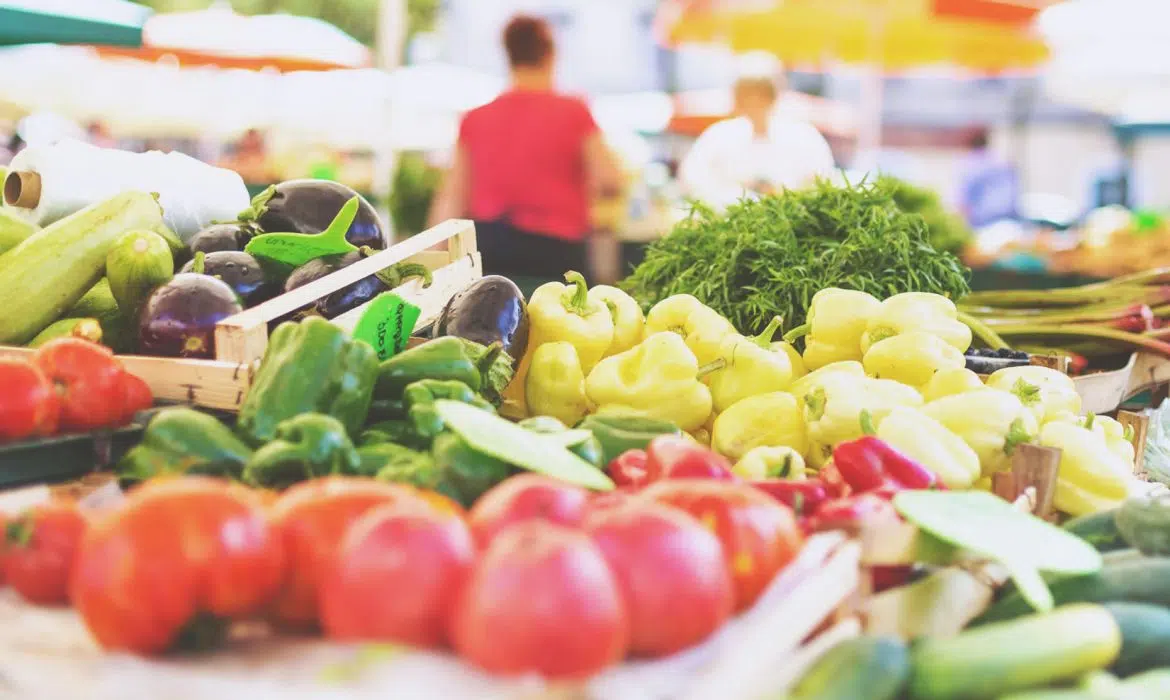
(528, 41)
(979, 140)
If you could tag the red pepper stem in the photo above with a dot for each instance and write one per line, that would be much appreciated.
(798, 332)
(765, 339)
(867, 426)
(578, 299)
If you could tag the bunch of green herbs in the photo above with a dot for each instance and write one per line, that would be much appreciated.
(768, 256)
(945, 229)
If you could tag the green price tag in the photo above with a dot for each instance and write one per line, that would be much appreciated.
(296, 249)
(387, 324)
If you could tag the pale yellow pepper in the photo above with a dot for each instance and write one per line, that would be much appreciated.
(911, 358)
(700, 326)
(917, 311)
(764, 420)
(833, 410)
(1091, 478)
(555, 385)
(990, 421)
(629, 323)
(801, 387)
(771, 462)
(948, 382)
(932, 445)
(1045, 391)
(836, 320)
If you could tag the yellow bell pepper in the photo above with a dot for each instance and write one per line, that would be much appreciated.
(991, 422)
(1045, 391)
(700, 326)
(764, 462)
(748, 366)
(794, 358)
(555, 385)
(763, 420)
(912, 358)
(656, 378)
(801, 387)
(628, 321)
(562, 312)
(924, 439)
(1091, 478)
(917, 311)
(836, 320)
(833, 410)
(1118, 437)
(948, 382)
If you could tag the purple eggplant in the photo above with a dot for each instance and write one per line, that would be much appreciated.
(242, 272)
(309, 206)
(178, 319)
(318, 268)
(489, 310)
(220, 237)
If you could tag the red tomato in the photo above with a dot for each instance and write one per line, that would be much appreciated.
(759, 535)
(397, 575)
(527, 497)
(542, 599)
(28, 404)
(177, 561)
(88, 379)
(605, 500)
(671, 573)
(312, 518)
(41, 548)
(136, 396)
(3, 545)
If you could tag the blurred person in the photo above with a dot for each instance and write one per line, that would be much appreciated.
(527, 166)
(9, 150)
(754, 152)
(988, 185)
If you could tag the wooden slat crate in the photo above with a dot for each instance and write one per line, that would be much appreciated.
(240, 340)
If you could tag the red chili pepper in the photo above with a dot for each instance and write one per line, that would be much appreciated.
(631, 469)
(834, 482)
(675, 457)
(803, 497)
(851, 512)
(868, 464)
(886, 577)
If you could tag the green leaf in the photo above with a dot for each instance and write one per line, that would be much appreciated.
(500, 438)
(991, 527)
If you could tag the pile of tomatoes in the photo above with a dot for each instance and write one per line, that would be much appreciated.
(539, 576)
(67, 385)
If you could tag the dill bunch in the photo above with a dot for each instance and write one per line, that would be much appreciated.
(767, 257)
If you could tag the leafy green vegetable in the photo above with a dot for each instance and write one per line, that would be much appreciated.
(767, 257)
(946, 230)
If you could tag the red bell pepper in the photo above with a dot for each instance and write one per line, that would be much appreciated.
(869, 464)
(676, 457)
(803, 497)
(631, 469)
(852, 512)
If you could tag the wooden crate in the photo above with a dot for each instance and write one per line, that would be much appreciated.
(240, 340)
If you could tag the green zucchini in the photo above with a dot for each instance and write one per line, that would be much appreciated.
(874, 668)
(1145, 524)
(118, 332)
(1007, 657)
(1099, 530)
(137, 264)
(13, 230)
(1143, 581)
(1120, 556)
(87, 328)
(1145, 637)
(50, 270)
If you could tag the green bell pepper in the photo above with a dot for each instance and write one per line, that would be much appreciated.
(306, 446)
(588, 449)
(417, 421)
(457, 470)
(486, 370)
(618, 433)
(376, 457)
(309, 367)
(185, 441)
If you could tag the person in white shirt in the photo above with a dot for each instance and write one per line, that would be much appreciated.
(754, 152)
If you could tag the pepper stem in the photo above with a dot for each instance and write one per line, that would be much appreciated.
(866, 419)
(18, 533)
(765, 338)
(396, 274)
(198, 266)
(1028, 394)
(1017, 435)
(578, 299)
(712, 366)
(202, 633)
(815, 403)
(1089, 418)
(798, 332)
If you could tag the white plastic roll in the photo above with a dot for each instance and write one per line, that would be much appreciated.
(74, 174)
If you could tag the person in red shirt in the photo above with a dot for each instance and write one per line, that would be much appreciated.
(527, 167)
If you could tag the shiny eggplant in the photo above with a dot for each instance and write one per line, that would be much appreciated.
(219, 237)
(487, 311)
(318, 268)
(178, 319)
(309, 206)
(364, 290)
(242, 272)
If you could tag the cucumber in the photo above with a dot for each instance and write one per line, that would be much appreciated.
(1145, 523)
(1007, 657)
(1143, 581)
(118, 332)
(874, 668)
(1099, 530)
(13, 230)
(50, 270)
(1145, 637)
(138, 263)
(86, 328)
(1121, 556)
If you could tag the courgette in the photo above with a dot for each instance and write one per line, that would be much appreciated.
(1099, 530)
(118, 332)
(874, 668)
(1145, 637)
(1007, 657)
(138, 263)
(85, 328)
(13, 230)
(1144, 581)
(1145, 523)
(50, 270)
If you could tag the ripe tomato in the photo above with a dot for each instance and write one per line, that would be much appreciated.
(88, 379)
(178, 560)
(40, 553)
(312, 518)
(397, 575)
(542, 599)
(759, 535)
(29, 406)
(671, 573)
(527, 497)
(136, 396)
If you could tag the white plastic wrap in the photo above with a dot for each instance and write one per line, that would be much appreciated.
(75, 174)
